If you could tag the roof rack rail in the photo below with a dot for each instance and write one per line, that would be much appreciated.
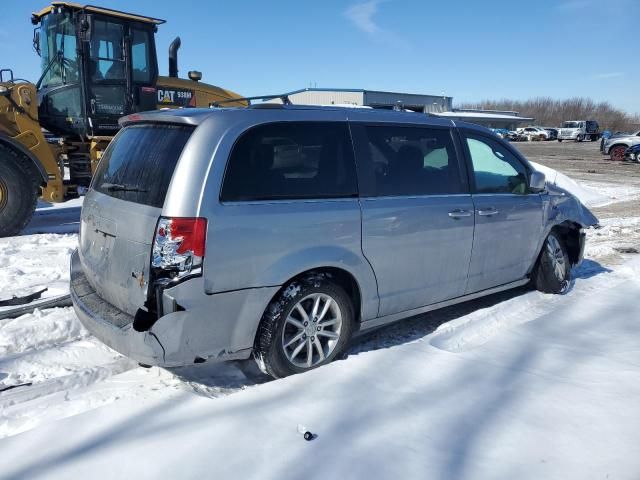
(284, 97)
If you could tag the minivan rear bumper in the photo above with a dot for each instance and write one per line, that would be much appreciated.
(211, 328)
(109, 324)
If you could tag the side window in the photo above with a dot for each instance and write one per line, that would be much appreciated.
(410, 161)
(495, 169)
(291, 160)
(107, 59)
(140, 56)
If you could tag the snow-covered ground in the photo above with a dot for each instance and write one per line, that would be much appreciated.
(517, 385)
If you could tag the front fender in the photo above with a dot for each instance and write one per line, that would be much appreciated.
(10, 143)
(562, 208)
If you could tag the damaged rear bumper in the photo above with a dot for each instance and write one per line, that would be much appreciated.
(109, 324)
(206, 328)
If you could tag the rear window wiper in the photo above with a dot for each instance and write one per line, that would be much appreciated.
(119, 187)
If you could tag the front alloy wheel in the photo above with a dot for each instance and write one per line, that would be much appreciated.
(552, 271)
(556, 253)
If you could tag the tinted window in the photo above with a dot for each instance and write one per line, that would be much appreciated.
(291, 160)
(107, 59)
(410, 161)
(495, 169)
(140, 57)
(139, 163)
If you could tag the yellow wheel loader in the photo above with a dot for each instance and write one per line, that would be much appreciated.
(97, 65)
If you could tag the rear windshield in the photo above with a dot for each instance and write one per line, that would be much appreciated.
(139, 163)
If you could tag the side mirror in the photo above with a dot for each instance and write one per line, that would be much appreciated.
(537, 182)
(36, 40)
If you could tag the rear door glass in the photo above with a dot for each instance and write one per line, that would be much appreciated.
(139, 163)
(292, 160)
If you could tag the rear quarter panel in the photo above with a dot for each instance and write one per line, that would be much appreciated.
(265, 244)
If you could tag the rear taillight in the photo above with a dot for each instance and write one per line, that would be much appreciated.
(179, 244)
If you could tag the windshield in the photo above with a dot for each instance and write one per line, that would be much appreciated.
(570, 125)
(58, 35)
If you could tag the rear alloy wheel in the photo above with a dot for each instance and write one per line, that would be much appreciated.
(308, 325)
(553, 268)
(617, 153)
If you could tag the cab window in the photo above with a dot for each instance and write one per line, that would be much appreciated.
(107, 59)
(140, 56)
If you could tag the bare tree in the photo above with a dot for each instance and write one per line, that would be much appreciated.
(549, 112)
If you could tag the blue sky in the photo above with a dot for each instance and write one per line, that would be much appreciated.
(471, 50)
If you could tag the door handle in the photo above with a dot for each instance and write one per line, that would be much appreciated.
(458, 213)
(487, 212)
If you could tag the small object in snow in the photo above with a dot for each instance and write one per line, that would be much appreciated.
(626, 250)
(9, 387)
(306, 434)
(22, 300)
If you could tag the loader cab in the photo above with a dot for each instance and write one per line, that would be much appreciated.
(96, 66)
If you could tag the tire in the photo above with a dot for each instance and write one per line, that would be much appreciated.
(560, 140)
(281, 347)
(19, 192)
(552, 271)
(579, 138)
(616, 153)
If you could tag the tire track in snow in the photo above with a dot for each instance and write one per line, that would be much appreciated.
(479, 327)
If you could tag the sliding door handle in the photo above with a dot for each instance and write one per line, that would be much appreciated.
(487, 212)
(458, 213)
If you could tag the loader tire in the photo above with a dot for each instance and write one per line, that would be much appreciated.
(19, 191)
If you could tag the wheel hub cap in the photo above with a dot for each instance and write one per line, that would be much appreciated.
(312, 330)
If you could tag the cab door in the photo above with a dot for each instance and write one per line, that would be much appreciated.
(508, 218)
(107, 76)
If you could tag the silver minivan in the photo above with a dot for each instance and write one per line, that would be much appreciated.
(280, 231)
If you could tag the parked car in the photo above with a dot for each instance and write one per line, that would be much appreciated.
(515, 136)
(633, 154)
(579, 130)
(534, 133)
(280, 232)
(501, 132)
(552, 133)
(617, 145)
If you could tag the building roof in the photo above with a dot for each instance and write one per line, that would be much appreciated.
(483, 116)
(362, 90)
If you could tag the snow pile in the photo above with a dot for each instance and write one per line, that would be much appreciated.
(33, 262)
(42, 328)
(587, 196)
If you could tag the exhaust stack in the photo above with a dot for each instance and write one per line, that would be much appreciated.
(173, 57)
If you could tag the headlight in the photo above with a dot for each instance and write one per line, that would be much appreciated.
(4, 91)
